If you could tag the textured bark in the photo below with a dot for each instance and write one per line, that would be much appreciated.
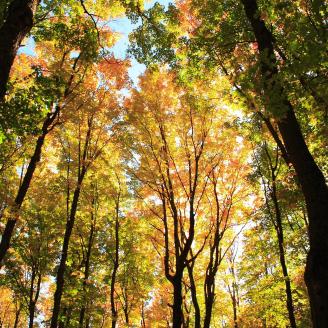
(13, 211)
(17, 25)
(310, 176)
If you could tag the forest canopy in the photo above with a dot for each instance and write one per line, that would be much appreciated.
(171, 173)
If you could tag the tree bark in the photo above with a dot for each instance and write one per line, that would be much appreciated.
(13, 211)
(310, 176)
(17, 25)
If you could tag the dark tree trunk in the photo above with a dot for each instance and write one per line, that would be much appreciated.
(143, 321)
(277, 222)
(190, 267)
(69, 228)
(215, 258)
(233, 290)
(64, 252)
(234, 307)
(126, 315)
(13, 212)
(115, 264)
(177, 301)
(87, 322)
(17, 25)
(34, 296)
(87, 271)
(209, 298)
(310, 176)
(17, 315)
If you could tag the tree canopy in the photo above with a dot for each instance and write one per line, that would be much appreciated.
(194, 196)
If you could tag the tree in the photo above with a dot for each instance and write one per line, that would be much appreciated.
(181, 170)
(218, 37)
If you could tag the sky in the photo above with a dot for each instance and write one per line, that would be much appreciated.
(123, 26)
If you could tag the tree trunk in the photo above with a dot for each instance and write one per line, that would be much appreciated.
(143, 321)
(34, 296)
(177, 301)
(13, 211)
(310, 176)
(17, 315)
(116, 265)
(280, 236)
(234, 307)
(82, 170)
(64, 253)
(193, 291)
(209, 299)
(86, 272)
(126, 315)
(17, 25)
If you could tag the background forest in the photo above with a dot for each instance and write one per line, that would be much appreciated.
(193, 195)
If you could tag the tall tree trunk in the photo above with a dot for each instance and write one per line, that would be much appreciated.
(190, 267)
(233, 289)
(34, 296)
(177, 301)
(17, 315)
(64, 252)
(60, 277)
(310, 176)
(116, 264)
(277, 222)
(126, 316)
(87, 270)
(12, 212)
(18, 23)
(143, 320)
(234, 307)
(209, 298)
(87, 322)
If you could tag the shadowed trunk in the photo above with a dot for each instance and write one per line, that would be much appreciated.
(310, 176)
(18, 23)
